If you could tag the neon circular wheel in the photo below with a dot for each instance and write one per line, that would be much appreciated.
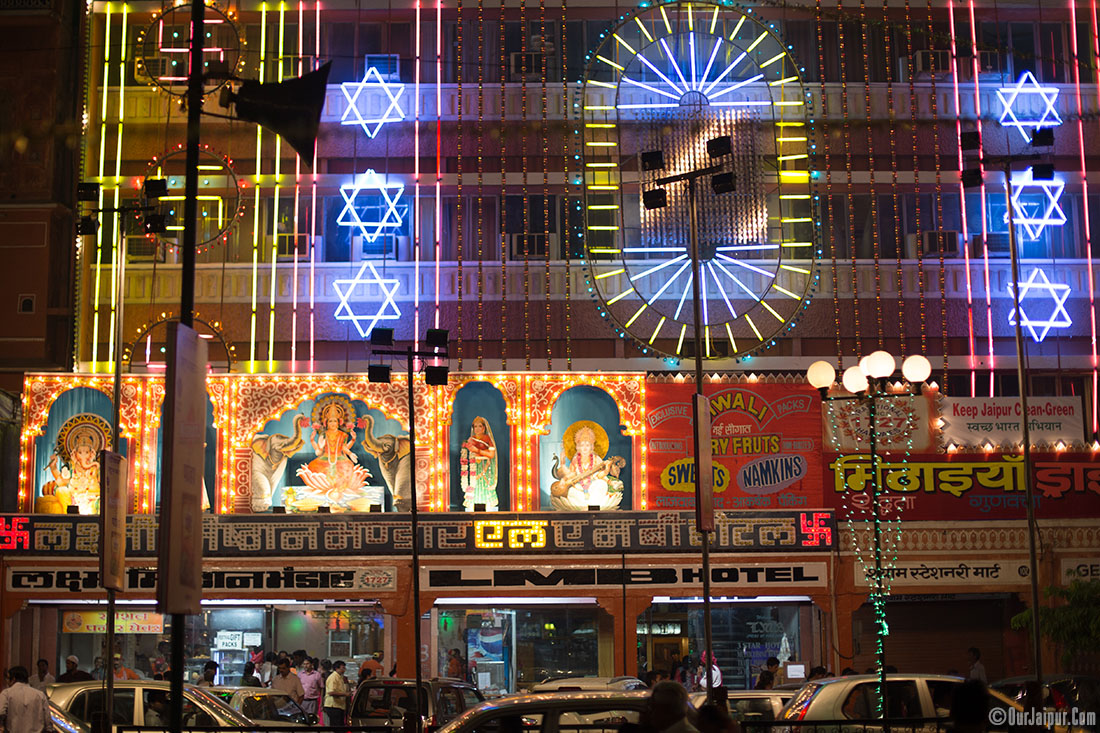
(670, 78)
(163, 50)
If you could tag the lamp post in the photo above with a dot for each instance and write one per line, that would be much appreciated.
(435, 375)
(867, 384)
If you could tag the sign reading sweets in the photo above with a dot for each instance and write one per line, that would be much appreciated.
(765, 441)
(973, 422)
(966, 485)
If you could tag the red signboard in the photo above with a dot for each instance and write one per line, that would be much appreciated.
(964, 485)
(765, 439)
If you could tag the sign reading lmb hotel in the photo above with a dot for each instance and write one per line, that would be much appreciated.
(765, 439)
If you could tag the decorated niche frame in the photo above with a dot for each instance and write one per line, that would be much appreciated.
(541, 393)
(260, 399)
(510, 387)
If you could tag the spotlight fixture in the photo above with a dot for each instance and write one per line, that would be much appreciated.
(437, 338)
(156, 224)
(378, 373)
(435, 376)
(1042, 138)
(970, 140)
(653, 160)
(656, 198)
(1042, 172)
(155, 188)
(719, 146)
(723, 183)
(87, 192)
(971, 177)
(87, 225)
(381, 337)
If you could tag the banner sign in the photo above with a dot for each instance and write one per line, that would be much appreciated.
(1080, 568)
(80, 581)
(725, 577)
(974, 422)
(1013, 573)
(765, 443)
(966, 485)
(126, 622)
(903, 422)
(305, 535)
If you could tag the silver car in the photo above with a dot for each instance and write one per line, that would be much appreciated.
(135, 703)
(590, 684)
(265, 705)
(749, 706)
(562, 712)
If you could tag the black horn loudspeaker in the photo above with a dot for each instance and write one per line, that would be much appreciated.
(291, 109)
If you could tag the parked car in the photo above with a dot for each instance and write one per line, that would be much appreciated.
(748, 706)
(380, 704)
(265, 705)
(84, 701)
(562, 684)
(1061, 692)
(907, 696)
(65, 723)
(563, 712)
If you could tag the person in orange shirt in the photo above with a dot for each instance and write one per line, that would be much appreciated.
(124, 673)
(374, 664)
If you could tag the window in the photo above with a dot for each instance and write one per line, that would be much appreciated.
(448, 705)
(88, 706)
(470, 698)
(595, 720)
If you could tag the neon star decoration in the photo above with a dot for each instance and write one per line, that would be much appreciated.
(366, 277)
(391, 93)
(1043, 288)
(1040, 208)
(352, 214)
(1024, 93)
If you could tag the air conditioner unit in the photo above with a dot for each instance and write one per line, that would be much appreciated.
(533, 63)
(149, 69)
(997, 244)
(388, 65)
(938, 241)
(140, 248)
(929, 61)
(537, 245)
(385, 246)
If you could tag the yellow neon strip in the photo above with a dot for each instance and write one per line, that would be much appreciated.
(772, 311)
(786, 292)
(793, 245)
(612, 273)
(790, 124)
(790, 139)
(792, 268)
(602, 188)
(691, 25)
(605, 251)
(733, 342)
(600, 165)
(603, 228)
(680, 343)
(117, 266)
(595, 107)
(626, 45)
(601, 125)
(275, 209)
(803, 176)
(609, 62)
(757, 42)
(603, 207)
(635, 316)
(706, 336)
(207, 168)
(601, 144)
(754, 328)
(781, 82)
(795, 197)
(620, 296)
(657, 330)
(714, 20)
(773, 59)
(601, 84)
(256, 205)
(793, 103)
(668, 26)
(796, 220)
(737, 27)
(793, 156)
(642, 26)
(102, 166)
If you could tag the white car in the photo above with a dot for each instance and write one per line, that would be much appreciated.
(84, 701)
(589, 684)
(562, 712)
(265, 705)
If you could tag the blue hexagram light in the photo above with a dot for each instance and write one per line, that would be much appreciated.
(1024, 91)
(1058, 293)
(354, 90)
(346, 290)
(350, 215)
(1031, 215)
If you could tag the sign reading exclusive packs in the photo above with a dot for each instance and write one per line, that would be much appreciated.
(765, 439)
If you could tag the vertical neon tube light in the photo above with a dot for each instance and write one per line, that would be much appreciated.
(113, 348)
(313, 207)
(275, 210)
(976, 68)
(297, 200)
(962, 203)
(102, 172)
(438, 147)
(256, 204)
(416, 190)
(1085, 199)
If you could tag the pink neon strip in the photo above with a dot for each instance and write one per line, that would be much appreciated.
(1085, 198)
(438, 144)
(313, 208)
(416, 195)
(985, 218)
(297, 202)
(962, 202)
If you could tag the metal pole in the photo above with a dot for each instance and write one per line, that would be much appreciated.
(1021, 376)
(878, 600)
(415, 520)
(697, 318)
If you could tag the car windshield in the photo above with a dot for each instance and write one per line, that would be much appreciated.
(225, 712)
(386, 701)
(796, 708)
(278, 707)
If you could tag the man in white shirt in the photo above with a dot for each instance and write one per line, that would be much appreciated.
(43, 678)
(977, 669)
(288, 682)
(24, 709)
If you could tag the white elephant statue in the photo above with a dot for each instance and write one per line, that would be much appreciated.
(269, 454)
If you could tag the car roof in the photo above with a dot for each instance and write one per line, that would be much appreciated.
(583, 683)
(535, 698)
(894, 676)
(1047, 679)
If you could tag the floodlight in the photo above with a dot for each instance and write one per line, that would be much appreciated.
(437, 338)
(156, 224)
(723, 183)
(971, 178)
(655, 199)
(88, 191)
(719, 146)
(378, 373)
(155, 188)
(87, 225)
(435, 376)
(654, 160)
(1042, 172)
(381, 337)
(1042, 138)
(970, 140)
